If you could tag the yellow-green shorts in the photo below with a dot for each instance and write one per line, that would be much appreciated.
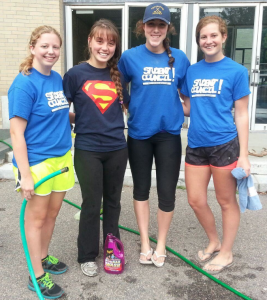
(59, 183)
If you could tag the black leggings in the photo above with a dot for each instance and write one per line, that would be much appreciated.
(167, 150)
(99, 174)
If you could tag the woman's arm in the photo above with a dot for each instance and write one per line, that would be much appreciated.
(17, 129)
(72, 117)
(71, 114)
(185, 104)
(242, 125)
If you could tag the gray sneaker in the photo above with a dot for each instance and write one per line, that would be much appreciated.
(89, 268)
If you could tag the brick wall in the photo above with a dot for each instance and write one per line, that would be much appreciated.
(17, 20)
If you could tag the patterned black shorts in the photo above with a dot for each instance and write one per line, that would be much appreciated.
(217, 156)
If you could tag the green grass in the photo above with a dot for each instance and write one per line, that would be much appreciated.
(180, 187)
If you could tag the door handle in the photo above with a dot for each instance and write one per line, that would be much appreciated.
(256, 77)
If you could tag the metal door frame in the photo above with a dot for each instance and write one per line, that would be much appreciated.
(257, 71)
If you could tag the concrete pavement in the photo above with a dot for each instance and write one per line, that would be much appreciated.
(176, 280)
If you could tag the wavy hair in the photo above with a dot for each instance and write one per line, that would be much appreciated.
(26, 65)
(210, 19)
(139, 31)
(106, 27)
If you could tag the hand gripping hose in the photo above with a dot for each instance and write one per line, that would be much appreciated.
(23, 236)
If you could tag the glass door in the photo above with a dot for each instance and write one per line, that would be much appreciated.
(79, 20)
(259, 83)
(242, 24)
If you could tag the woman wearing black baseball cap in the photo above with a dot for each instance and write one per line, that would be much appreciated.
(155, 71)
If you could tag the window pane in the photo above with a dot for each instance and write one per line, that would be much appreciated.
(261, 107)
(240, 24)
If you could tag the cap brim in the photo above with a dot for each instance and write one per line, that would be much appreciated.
(156, 18)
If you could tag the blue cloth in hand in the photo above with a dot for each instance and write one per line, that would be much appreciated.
(248, 196)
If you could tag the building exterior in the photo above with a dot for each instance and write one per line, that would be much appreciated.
(246, 43)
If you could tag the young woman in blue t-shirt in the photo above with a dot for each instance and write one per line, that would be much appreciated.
(155, 71)
(41, 139)
(97, 92)
(216, 144)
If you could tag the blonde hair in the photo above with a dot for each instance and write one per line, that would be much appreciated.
(139, 31)
(26, 65)
(99, 28)
(211, 19)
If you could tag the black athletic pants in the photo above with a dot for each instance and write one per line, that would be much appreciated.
(100, 174)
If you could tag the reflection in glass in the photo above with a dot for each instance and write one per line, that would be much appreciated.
(261, 107)
(240, 23)
(137, 13)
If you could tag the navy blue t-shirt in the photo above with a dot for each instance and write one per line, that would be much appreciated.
(99, 121)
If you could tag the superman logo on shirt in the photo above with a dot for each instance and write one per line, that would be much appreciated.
(102, 93)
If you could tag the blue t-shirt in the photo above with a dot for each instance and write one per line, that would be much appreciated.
(213, 88)
(40, 100)
(99, 124)
(155, 105)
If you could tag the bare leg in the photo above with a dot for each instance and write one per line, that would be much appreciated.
(225, 187)
(35, 217)
(141, 209)
(164, 222)
(197, 179)
(55, 203)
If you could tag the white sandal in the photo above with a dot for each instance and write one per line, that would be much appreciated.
(155, 262)
(147, 261)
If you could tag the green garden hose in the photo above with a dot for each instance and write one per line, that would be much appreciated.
(1, 141)
(24, 242)
(23, 235)
(180, 256)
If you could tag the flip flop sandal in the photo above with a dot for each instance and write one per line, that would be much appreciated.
(223, 267)
(211, 255)
(155, 262)
(147, 261)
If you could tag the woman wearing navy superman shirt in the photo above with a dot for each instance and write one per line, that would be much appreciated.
(217, 143)
(100, 159)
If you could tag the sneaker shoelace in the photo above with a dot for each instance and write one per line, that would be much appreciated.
(53, 260)
(90, 264)
(47, 281)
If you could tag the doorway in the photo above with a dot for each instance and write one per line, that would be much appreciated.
(79, 20)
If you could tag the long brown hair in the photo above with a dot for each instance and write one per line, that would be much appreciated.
(26, 65)
(139, 30)
(104, 26)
